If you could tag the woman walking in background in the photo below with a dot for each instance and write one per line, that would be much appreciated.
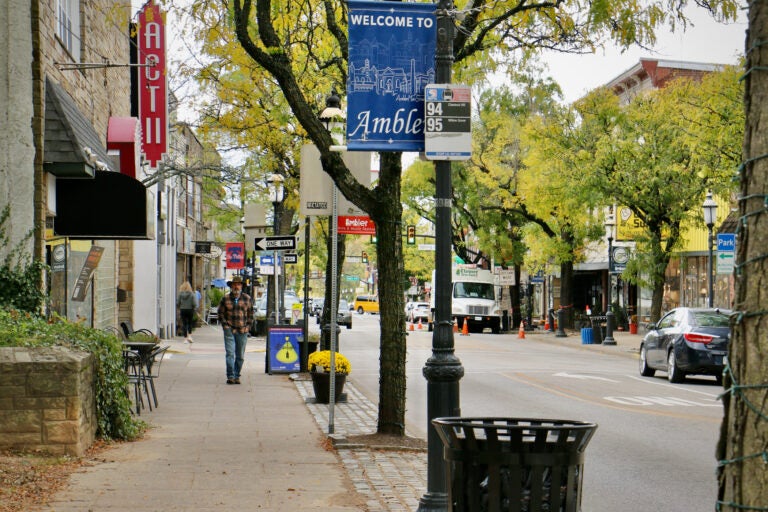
(187, 304)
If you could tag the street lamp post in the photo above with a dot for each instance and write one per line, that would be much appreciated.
(443, 369)
(276, 193)
(609, 316)
(710, 214)
(333, 117)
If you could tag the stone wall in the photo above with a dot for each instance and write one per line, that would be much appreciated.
(47, 400)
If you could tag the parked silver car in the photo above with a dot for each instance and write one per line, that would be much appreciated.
(345, 315)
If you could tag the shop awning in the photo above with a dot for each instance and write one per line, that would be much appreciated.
(72, 148)
(124, 136)
(110, 206)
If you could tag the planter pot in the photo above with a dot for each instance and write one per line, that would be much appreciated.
(321, 382)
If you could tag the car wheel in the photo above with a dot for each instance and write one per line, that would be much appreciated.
(349, 325)
(360, 310)
(674, 374)
(429, 327)
(719, 379)
(645, 370)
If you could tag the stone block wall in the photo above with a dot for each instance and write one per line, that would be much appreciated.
(47, 400)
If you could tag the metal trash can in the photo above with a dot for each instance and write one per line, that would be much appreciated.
(599, 328)
(514, 464)
(586, 336)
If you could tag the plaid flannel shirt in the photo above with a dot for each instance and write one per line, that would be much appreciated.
(236, 314)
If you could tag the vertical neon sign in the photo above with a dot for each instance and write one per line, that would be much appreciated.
(153, 90)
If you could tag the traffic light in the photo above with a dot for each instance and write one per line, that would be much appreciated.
(365, 257)
(410, 237)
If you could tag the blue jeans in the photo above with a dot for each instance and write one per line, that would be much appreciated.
(234, 345)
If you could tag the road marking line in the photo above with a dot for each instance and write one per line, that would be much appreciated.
(648, 380)
(555, 390)
(583, 377)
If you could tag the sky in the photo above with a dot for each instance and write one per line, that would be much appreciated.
(705, 41)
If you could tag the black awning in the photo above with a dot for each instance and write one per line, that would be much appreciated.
(110, 206)
(72, 147)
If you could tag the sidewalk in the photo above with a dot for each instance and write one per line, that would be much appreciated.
(215, 446)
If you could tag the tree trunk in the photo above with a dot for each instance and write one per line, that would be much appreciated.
(389, 258)
(657, 276)
(743, 479)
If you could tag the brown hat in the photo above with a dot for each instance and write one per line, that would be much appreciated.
(235, 279)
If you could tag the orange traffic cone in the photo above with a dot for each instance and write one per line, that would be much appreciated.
(521, 332)
(546, 324)
(420, 326)
(455, 325)
(465, 329)
(410, 326)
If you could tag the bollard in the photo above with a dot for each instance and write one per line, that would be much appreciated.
(551, 315)
(609, 319)
(560, 322)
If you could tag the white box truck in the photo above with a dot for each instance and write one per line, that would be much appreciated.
(473, 299)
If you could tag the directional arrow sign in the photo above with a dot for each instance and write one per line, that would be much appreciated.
(275, 243)
(725, 262)
(291, 258)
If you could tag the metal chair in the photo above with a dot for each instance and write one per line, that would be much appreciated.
(213, 315)
(128, 330)
(152, 370)
(134, 368)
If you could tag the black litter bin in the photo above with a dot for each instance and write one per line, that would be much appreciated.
(514, 464)
(599, 324)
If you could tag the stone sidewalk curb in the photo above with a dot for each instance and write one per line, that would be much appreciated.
(391, 479)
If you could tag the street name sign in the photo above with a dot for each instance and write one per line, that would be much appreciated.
(275, 243)
(447, 122)
(291, 258)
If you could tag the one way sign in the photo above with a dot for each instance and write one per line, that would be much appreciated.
(275, 243)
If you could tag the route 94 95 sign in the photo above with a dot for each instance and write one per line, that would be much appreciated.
(447, 122)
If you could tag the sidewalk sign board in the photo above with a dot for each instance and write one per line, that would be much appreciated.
(283, 348)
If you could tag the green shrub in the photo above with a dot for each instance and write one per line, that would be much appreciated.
(215, 295)
(21, 280)
(113, 408)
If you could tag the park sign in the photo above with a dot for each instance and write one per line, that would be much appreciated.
(391, 60)
(726, 253)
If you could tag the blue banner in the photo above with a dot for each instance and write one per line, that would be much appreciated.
(391, 60)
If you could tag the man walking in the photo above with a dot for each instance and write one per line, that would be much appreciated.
(235, 317)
